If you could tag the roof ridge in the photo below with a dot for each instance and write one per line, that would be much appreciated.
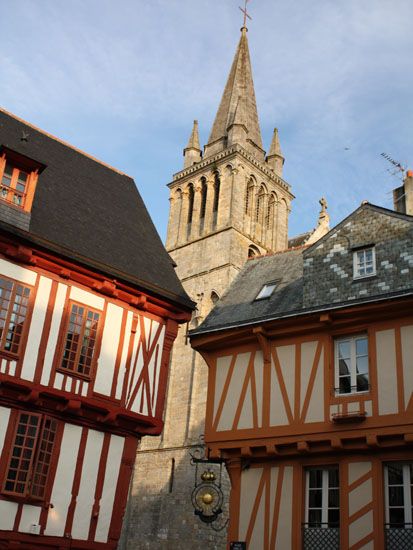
(277, 252)
(65, 143)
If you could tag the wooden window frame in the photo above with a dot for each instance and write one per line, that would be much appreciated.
(19, 164)
(63, 339)
(325, 487)
(353, 364)
(358, 266)
(37, 462)
(407, 492)
(9, 313)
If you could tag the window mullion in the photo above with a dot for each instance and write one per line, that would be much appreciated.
(8, 316)
(324, 499)
(407, 494)
(307, 484)
(81, 334)
(353, 362)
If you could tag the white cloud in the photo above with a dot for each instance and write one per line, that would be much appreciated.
(125, 79)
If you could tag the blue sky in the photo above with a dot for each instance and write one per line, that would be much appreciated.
(123, 80)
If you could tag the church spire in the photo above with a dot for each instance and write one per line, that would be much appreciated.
(275, 157)
(238, 102)
(192, 152)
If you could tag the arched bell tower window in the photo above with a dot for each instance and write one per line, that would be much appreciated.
(190, 208)
(203, 204)
(260, 204)
(270, 212)
(253, 251)
(214, 297)
(217, 185)
(249, 196)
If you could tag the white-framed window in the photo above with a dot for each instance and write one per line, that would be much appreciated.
(364, 262)
(322, 498)
(266, 290)
(351, 359)
(398, 481)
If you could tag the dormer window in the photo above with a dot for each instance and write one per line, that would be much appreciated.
(364, 262)
(266, 290)
(14, 185)
(18, 179)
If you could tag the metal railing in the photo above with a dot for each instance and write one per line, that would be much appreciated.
(321, 537)
(399, 536)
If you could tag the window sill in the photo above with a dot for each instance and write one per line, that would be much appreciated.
(364, 278)
(25, 500)
(72, 374)
(9, 355)
(348, 418)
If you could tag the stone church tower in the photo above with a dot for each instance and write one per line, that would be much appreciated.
(226, 204)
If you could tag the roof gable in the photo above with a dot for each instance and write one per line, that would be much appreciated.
(89, 211)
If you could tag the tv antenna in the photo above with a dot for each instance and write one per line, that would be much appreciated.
(398, 169)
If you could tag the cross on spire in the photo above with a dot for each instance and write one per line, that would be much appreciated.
(246, 14)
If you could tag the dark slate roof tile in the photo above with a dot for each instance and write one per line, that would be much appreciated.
(92, 211)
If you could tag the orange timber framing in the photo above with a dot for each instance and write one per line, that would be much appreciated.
(376, 439)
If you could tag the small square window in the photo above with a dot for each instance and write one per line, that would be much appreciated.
(266, 290)
(364, 263)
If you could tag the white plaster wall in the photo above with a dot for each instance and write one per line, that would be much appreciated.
(109, 487)
(386, 372)
(86, 495)
(54, 333)
(109, 348)
(36, 328)
(62, 487)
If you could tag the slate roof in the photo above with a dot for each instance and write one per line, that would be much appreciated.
(238, 305)
(91, 213)
(319, 277)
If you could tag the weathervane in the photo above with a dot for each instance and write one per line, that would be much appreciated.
(246, 14)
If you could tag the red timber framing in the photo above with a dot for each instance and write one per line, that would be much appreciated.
(88, 407)
(359, 432)
(109, 423)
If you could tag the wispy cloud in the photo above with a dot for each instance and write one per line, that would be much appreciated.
(125, 79)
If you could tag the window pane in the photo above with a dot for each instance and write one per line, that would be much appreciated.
(333, 518)
(315, 498)
(344, 350)
(362, 365)
(396, 516)
(395, 471)
(316, 478)
(362, 382)
(344, 367)
(396, 497)
(314, 517)
(345, 384)
(361, 346)
(333, 498)
(333, 477)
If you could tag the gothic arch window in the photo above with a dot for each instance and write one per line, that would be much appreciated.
(217, 185)
(253, 251)
(204, 190)
(214, 297)
(259, 207)
(270, 211)
(249, 196)
(190, 203)
(191, 195)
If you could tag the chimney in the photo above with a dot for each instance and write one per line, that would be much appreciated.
(403, 196)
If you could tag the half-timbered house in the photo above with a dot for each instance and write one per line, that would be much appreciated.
(89, 309)
(310, 391)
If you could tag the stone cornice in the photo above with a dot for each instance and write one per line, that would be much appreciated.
(227, 153)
